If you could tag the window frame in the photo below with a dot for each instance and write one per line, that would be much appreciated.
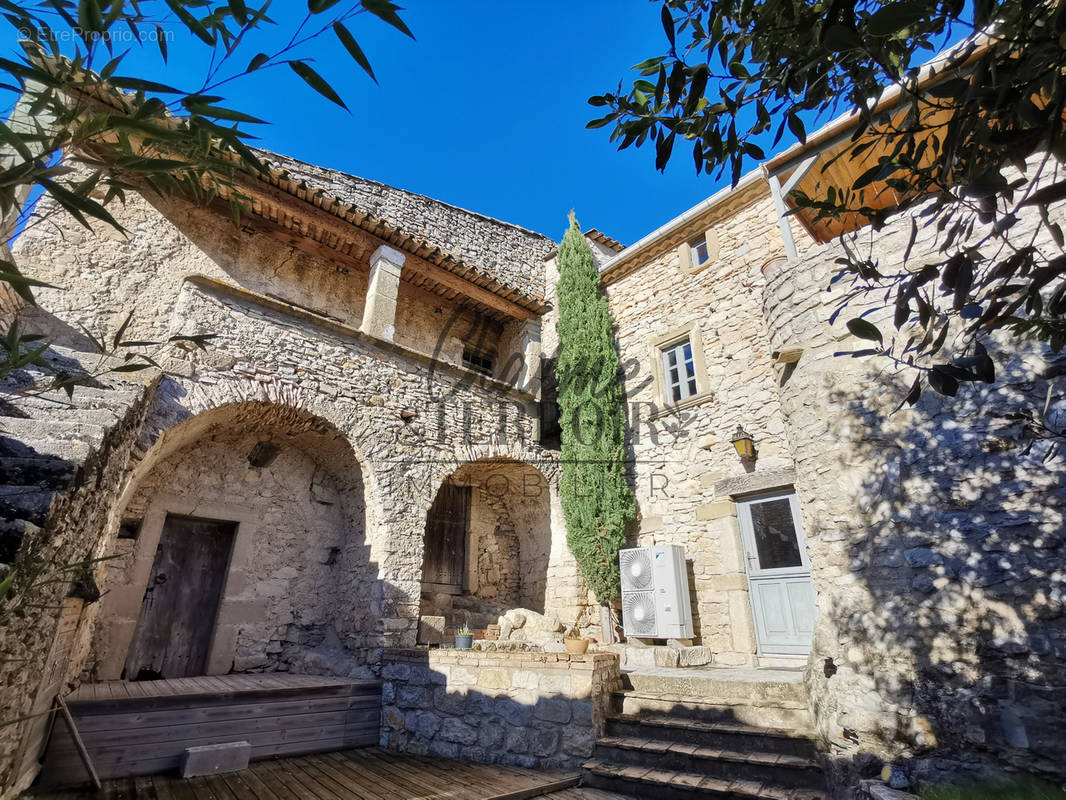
(689, 263)
(679, 359)
(660, 345)
(471, 355)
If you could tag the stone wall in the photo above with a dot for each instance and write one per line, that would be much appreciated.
(522, 709)
(82, 470)
(298, 526)
(935, 535)
(105, 275)
(379, 424)
(682, 454)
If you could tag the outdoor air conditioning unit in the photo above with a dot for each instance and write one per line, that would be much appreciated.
(655, 599)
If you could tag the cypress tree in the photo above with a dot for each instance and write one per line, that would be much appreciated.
(597, 501)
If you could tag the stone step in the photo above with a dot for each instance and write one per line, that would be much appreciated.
(780, 770)
(25, 502)
(65, 429)
(84, 397)
(36, 408)
(704, 709)
(726, 735)
(665, 784)
(44, 472)
(770, 687)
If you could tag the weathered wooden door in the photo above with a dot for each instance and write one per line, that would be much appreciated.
(181, 601)
(779, 574)
(444, 564)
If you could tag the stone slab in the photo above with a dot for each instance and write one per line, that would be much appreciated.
(431, 630)
(875, 790)
(211, 759)
(650, 657)
(759, 481)
(697, 656)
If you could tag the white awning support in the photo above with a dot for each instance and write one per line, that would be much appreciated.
(779, 192)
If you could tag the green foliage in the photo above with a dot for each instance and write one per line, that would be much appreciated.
(1025, 789)
(966, 143)
(84, 134)
(597, 500)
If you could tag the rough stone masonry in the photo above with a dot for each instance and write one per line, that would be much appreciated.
(364, 347)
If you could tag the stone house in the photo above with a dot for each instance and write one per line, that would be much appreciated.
(365, 446)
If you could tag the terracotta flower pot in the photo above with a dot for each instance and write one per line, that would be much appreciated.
(576, 647)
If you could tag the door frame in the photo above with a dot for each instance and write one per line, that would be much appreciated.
(120, 616)
(750, 552)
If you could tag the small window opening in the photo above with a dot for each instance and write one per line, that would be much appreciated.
(478, 360)
(679, 371)
(700, 254)
(129, 529)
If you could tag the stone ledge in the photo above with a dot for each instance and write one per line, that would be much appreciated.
(477, 658)
(876, 790)
(335, 326)
(755, 482)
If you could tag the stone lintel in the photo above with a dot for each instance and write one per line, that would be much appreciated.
(755, 482)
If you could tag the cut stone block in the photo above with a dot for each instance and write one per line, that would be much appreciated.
(431, 630)
(694, 656)
(650, 657)
(665, 656)
(211, 759)
(875, 790)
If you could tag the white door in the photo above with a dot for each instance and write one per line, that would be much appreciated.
(779, 574)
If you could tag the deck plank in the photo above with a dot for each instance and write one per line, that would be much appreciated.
(471, 785)
(318, 777)
(370, 773)
(375, 784)
(275, 780)
(411, 783)
(352, 785)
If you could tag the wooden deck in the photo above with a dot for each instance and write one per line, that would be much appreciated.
(364, 774)
(144, 727)
(205, 685)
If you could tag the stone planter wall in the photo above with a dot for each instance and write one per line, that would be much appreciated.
(522, 709)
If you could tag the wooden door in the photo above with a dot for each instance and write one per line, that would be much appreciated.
(444, 564)
(177, 618)
(779, 574)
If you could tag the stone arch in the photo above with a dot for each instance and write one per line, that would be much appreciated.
(301, 590)
(507, 541)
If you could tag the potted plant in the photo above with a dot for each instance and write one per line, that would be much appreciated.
(464, 639)
(575, 643)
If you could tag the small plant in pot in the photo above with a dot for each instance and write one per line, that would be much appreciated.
(575, 643)
(464, 639)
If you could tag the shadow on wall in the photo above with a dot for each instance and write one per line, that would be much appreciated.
(952, 600)
(488, 542)
(513, 709)
(300, 590)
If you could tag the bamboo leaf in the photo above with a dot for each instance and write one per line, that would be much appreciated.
(353, 49)
(316, 82)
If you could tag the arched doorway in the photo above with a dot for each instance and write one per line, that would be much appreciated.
(488, 542)
(242, 548)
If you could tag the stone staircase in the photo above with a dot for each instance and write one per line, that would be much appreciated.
(46, 439)
(743, 734)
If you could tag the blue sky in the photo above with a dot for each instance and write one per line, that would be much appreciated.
(486, 109)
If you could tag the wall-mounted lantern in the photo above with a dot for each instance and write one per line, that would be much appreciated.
(744, 444)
